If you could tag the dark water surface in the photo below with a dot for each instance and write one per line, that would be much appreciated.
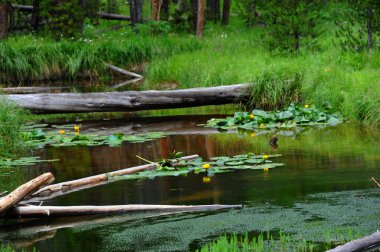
(324, 185)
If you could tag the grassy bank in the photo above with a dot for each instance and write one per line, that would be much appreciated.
(12, 119)
(325, 75)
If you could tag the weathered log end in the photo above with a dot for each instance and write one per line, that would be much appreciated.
(16, 196)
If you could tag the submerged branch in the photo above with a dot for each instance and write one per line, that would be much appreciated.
(67, 187)
(71, 211)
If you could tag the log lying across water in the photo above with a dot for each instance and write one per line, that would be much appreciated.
(361, 244)
(70, 211)
(64, 188)
(13, 198)
(131, 100)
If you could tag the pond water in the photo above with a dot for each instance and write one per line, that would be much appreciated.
(324, 189)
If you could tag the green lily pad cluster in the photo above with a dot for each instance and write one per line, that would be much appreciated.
(38, 138)
(214, 166)
(294, 115)
(24, 161)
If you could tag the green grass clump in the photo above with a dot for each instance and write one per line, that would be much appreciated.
(259, 244)
(12, 118)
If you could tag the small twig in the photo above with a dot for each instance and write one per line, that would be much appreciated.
(3, 193)
(146, 160)
(374, 180)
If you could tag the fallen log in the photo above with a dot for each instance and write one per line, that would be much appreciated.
(361, 244)
(32, 90)
(71, 211)
(67, 187)
(111, 16)
(13, 198)
(131, 100)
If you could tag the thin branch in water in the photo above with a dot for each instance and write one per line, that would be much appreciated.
(374, 180)
(3, 193)
(146, 160)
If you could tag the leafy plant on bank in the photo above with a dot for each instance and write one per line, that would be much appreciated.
(287, 118)
(12, 118)
(359, 24)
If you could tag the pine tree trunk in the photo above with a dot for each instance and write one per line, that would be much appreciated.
(135, 12)
(200, 17)
(165, 10)
(226, 12)
(35, 14)
(156, 9)
(3, 21)
(213, 10)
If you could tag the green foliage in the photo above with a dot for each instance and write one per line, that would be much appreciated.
(359, 24)
(38, 138)
(153, 28)
(24, 161)
(66, 17)
(289, 24)
(260, 243)
(287, 118)
(12, 118)
(217, 165)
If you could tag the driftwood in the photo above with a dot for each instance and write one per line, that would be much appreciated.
(135, 77)
(131, 100)
(13, 198)
(67, 187)
(32, 90)
(361, 244)
(374, 180)
(70, 211)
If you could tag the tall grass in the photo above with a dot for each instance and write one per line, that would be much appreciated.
(30, 58)
(349, 82)
(12, 118)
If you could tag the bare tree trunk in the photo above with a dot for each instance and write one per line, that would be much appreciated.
(156, 9)
(13, 198)
(36, 15)
(200, 17)
(226, 12)
(165, 10)
(3, 21)
(134, 10)
(213, 10)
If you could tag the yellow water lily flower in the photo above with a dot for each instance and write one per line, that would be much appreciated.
(265, 157)
(61, 132)
(206, 179)
(76, 128)
(266, 169)
(206, 166)
(251, 116)
(306, 106)
(252, 134)
(262, 126)
(76, 133)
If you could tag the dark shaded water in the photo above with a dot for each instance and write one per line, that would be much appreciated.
(298, 197)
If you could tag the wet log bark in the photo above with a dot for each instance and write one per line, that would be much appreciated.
(67, 187)
(131, 100)
(361, 244)
(13, 198)
(71, 211)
